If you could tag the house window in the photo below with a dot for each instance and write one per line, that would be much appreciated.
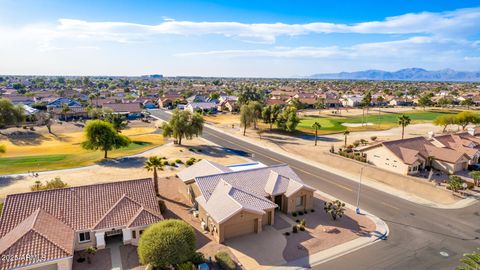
(299, 201)
(84, 237)
(134, 234)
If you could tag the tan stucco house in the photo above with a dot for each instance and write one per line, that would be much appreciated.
(410, 156)
(234, 203)
(51, 225)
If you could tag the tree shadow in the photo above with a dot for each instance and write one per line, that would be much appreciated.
(25, 138)
(9, 180)
(125, 162)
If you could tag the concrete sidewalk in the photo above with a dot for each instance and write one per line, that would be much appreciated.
(379, 186)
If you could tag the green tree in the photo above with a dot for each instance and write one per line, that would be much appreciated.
(345, 134)
(10, 114)
(3, 149)
(455, 182)
(445, 121)
(466, 118)
(468, 102)
(118, 121)
(270, 114)
(256, 110)
(403, 121)
(154, 163)
(183, 124)
(102, 136)
(248, 93)
(335, 209)
(476, 177)
(295, 102)
(316, 126)
(470, 261)
(246, 117)
(167, 243)
(425, 100)
(288, 119)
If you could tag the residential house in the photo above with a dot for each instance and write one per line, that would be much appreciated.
(234, 203)
(169, 99)
(73, 113)
(464, 142)
(351, 100)
(59, 102)
(228, 103)
(201, 106)
(130, 110)
(410, 156)
(49, 226)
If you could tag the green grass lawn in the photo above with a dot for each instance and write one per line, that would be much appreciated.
(21, 164)
(380, 121)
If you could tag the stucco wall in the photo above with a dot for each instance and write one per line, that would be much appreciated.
(405, 183)
(307, 203)
(383, 158)
(82, 246)
(242, 217)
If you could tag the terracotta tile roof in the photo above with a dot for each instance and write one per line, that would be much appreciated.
(69, 205)
(40, 235)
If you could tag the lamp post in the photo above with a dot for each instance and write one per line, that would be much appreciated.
(357, 210)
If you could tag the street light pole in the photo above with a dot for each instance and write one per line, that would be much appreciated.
(358, 192)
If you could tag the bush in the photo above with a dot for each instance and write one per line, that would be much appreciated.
(178, 161)
(305, 212)
(300, 213)
(185, 266)
(302, 228)
(224, 261)
(286, 233)
(198, 258)
(167, 243)
(52, 184)
(302, 222)
(294, 214)
(298, 220)
(165, 163)
(295, 229)
(173, 164)
(312, 210)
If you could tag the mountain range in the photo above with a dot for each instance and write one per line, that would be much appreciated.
(408, 74)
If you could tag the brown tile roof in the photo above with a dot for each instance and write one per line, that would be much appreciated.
(40, 235)
(124, 107)
(80, 207)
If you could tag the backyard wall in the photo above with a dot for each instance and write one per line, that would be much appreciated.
(418, 187)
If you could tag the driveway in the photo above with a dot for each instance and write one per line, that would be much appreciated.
(259, 251)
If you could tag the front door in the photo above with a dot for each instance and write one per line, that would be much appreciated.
(278, 201)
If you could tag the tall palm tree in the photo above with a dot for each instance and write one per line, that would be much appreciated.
(316, 126)
(345, 134)
(152, 164)
(404, 121)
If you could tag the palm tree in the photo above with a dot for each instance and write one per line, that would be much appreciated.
(470, 261)
(152, 164)
(345, 134)
(404, 121)
(316, 126)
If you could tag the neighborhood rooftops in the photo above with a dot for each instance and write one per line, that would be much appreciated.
(202, 168)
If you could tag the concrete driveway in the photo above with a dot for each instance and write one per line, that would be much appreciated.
(259, 251)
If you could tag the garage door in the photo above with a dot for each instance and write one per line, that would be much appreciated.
(240, 228)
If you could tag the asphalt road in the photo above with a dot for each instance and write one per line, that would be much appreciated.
(420, 237)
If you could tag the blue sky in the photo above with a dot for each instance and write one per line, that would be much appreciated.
(236, 38)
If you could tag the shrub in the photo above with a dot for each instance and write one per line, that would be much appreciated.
(373, 138)
(286, 234)
(302, 228)
(312, 210)
(178, 161)
(294, 214)
(294, 229)
(305, 212)
(185, 266)
(300, 213)
(167, 243)
(165, 163)
(173, 164)
(225, 261)
(52, 184)
(198, 258)
(302, 222)
(298, 220)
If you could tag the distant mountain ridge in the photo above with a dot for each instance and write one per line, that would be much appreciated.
(408, 74)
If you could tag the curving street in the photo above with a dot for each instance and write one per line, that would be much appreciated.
(420, 237)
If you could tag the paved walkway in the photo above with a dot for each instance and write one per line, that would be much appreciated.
(115, 255)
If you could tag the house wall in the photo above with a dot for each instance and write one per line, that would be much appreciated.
(383, 158)
(61, 264)
(82, 246)
(184, 188)
(307, 202)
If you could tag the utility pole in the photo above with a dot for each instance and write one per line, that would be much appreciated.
(358, 192)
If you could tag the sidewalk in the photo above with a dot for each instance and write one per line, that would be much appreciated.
(373, 184)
